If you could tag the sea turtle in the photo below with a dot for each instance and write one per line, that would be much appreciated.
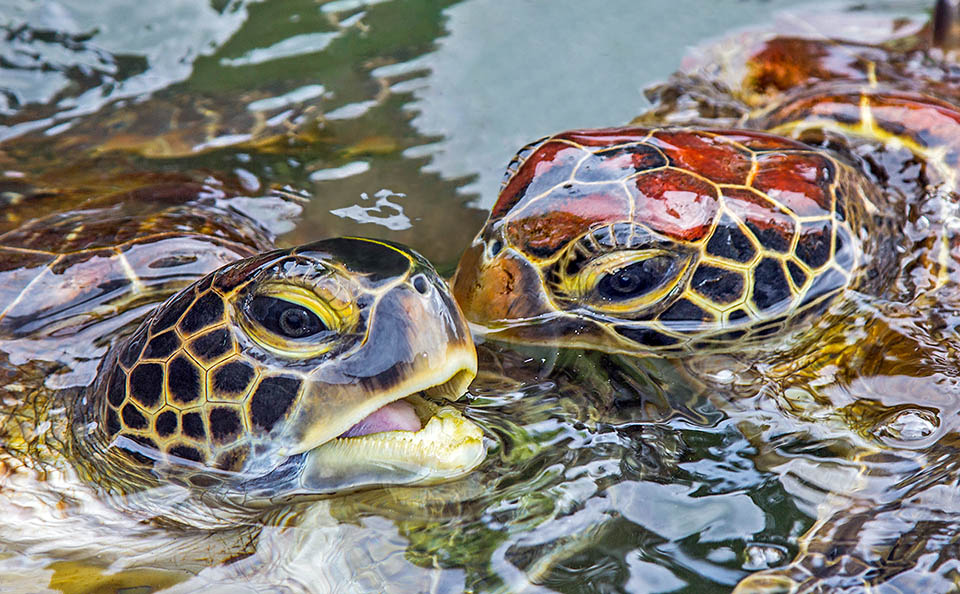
(671, 240)
(159, 354)
(679, 239)
(783, 186)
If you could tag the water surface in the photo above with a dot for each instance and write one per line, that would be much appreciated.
(395, 119)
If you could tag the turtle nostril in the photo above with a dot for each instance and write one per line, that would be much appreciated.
(420, 284)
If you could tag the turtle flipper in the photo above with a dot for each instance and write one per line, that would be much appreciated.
(946, 24)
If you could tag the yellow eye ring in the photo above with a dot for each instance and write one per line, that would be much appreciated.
(331, 317)
(308, 299)
(628, 281)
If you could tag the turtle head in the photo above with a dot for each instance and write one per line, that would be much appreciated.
(633, 240)
(304, 371)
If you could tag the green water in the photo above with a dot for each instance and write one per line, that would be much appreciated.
(604, 474)
(425, 99)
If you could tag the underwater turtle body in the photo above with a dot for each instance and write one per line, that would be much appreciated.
(157, 351)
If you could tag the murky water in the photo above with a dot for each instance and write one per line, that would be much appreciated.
(395, 119)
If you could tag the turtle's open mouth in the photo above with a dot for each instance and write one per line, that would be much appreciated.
(408, 440)
(409, 413)
(399, 415)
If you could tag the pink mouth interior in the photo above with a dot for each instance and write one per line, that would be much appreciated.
(396, 416)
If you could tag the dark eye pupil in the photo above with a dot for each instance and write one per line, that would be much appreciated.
(627, 281)
(636, 279)
(293, 322)
(285, 318)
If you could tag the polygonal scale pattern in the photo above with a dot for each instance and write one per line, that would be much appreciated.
(183, 387)
(763, 216)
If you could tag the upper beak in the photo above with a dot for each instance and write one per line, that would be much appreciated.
(416, 342)
(499, 291)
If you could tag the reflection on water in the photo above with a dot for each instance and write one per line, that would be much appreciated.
(501, 79)
(393, 117)
(402, 95)
(61, 60)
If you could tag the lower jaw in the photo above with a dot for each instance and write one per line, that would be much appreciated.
(446, 447)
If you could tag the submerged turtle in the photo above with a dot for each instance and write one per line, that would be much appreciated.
(155, 350)
(801, 184)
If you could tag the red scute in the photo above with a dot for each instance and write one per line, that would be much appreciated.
(785, 63)
(549, 224)
(551, 163)
(604, 136)
(705, 155)
(674, 204)
(798, 181)
(759, 141)
(619, 162)
(928, 123)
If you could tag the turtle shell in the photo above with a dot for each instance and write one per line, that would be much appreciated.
(59, 269)
(78, 270)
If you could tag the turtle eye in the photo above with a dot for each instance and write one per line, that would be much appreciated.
(623, 283)
(285, 318)
(636, 279)
(295, 321)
